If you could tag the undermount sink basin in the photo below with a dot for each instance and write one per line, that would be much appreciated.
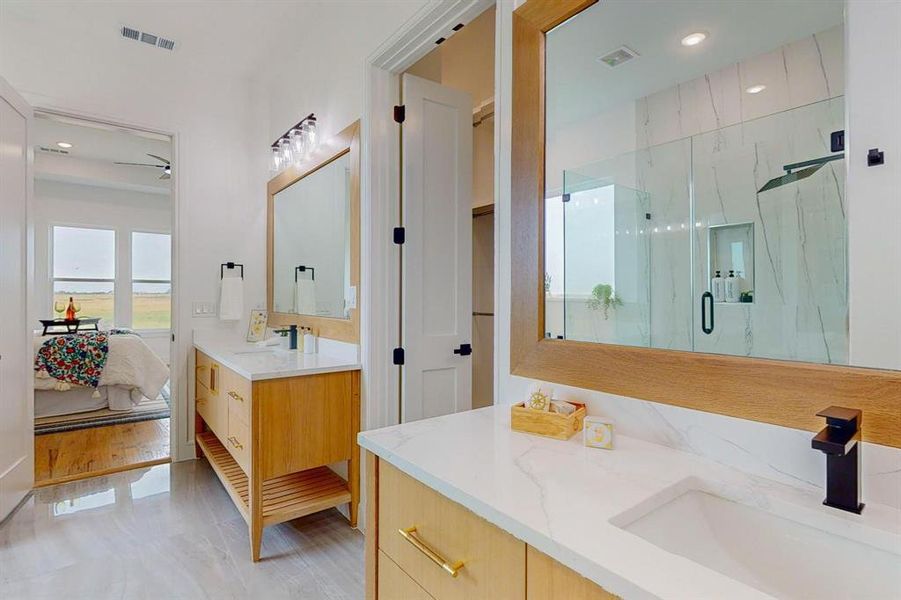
(777, 555)
(257, 351)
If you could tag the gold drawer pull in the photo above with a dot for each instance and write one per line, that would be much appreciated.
(409, 534)
(236, 396)
(199, 400)
(234, 442)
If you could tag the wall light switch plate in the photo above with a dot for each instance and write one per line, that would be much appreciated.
(203, 309)
(352, 297)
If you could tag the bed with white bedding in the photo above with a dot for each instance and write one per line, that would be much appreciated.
(131, 373)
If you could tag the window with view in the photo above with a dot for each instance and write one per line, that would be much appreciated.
(84, 269)
(151, 265)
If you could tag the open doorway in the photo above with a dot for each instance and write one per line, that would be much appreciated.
(103, 298)
(447, 211)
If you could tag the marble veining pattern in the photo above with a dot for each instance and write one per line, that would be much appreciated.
(170, 531)
(541, 490)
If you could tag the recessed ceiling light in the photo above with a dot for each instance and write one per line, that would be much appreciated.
(693, 39)
(756, 89)
(64, 144)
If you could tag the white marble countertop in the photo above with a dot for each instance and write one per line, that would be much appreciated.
(257, 363)
(559, 497)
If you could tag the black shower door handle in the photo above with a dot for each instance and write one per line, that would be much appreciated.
(705, 297)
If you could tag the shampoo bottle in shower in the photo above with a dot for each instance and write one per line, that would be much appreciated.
(718, 287)
(732, 287)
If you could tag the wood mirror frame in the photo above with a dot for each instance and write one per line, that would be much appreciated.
(345, 142)
(772, 391)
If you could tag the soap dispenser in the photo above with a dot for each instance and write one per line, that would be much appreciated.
(732, 292)
(718, 287)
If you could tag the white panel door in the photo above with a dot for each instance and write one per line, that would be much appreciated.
(16, 355)
(436, 303)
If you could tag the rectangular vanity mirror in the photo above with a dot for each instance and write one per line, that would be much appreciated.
(682, 231)
(313, 241)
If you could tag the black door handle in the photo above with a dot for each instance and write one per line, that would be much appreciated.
(463, 350)
(704, 327)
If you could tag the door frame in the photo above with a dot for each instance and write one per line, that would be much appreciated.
(381, 170)
(180, 433)
(21, 105)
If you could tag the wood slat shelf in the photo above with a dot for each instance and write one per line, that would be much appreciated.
(284, 498)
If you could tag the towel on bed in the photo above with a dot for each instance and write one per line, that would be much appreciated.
(129, 362)
(77, 359)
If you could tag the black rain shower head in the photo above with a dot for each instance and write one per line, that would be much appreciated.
(807, 168)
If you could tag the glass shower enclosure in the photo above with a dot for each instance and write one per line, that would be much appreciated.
(652, 241)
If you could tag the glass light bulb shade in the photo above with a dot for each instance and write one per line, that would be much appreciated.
(287, 155)
(298, 143)
(312, 134)
(275, 160)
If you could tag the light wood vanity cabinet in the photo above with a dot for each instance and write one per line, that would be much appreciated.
(421, 545)
(269, 441)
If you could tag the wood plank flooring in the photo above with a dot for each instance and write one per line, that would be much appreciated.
(71, 455)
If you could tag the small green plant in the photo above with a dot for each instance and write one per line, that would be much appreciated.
(603, 298)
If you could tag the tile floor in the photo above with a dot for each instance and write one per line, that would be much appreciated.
(168, 531)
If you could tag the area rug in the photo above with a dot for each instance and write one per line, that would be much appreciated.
(147, 410)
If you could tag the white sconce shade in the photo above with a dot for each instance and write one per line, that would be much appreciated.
(298, 144)
(287, 155)
(275, 159)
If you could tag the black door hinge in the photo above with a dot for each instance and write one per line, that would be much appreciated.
(566, 197)
(398, 356)
(173, 337)
(400, 113)
(400, 235)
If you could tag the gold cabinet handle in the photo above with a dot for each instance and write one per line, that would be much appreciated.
(199, 400)
(234, 442)
(451, 569)
(236, 396)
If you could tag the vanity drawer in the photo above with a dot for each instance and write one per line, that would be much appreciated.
(493, 561)
(394, 584)
(548, 579)
(238, 441)
(237, 391)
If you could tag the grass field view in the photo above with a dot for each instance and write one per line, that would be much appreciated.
(149, 311)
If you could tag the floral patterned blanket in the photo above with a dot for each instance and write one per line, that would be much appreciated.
(77, 359)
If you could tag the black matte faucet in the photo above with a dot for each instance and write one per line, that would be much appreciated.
(839, 442)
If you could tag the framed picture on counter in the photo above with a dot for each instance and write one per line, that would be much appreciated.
(256, 330)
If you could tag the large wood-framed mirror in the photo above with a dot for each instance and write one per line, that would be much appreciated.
(733, 186)
(313, 241)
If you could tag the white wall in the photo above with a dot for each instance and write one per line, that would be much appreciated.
(59, 203)
(324, 74)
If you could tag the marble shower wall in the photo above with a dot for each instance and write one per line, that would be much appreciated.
(711, 134)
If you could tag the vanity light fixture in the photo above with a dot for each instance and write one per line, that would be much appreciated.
(756, 89)
(64, 144)
(693, 39)
(295, 145)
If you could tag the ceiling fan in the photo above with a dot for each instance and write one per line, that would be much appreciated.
(166, 166)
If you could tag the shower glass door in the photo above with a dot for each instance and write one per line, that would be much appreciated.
(783, 238)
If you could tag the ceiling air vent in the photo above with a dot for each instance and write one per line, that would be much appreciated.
(52, 150)
(148, 38)
(618, 56)
(132, 34)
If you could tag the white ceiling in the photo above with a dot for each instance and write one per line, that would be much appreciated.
(579, 85)
(100, 142)
(95, 149)
(227, 38)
